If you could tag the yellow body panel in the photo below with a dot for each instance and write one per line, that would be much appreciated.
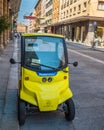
(42, 34)
(46, 95)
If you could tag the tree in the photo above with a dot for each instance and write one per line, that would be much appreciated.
(4, 23)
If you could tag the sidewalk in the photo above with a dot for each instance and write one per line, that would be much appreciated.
(98, 48)
(8, 89)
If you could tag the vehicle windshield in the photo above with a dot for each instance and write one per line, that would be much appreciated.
(44, 53)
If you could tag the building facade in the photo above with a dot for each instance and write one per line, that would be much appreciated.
(55, 15)
(4, 11)
(32, 23)
(8, 8)
(38, 15)
(49, 11)
(82, 20)
(43, 16)
(78, 20)
(21, 28)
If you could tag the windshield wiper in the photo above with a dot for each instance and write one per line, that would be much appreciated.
(44, 65)
(49, 67)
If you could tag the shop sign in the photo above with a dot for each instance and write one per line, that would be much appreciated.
(29, 17)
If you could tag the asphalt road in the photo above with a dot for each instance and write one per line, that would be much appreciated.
(87, 84)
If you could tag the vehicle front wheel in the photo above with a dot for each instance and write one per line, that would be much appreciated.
(21, 112)
(69, 110)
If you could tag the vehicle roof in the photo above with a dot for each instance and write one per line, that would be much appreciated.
(42, 34)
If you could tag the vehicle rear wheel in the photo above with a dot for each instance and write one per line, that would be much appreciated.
(21, 112)
(70, 110)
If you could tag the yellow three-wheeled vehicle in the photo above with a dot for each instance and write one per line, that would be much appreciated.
(44, 79)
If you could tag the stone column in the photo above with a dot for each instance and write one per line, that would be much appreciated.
(1, 14)
(7, 10)
(5, 14)
(90, 34)
(81, 33)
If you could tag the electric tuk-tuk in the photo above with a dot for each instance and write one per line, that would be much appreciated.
(44, 76)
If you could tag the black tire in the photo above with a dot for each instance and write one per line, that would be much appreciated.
(21, 112)
(70, 110)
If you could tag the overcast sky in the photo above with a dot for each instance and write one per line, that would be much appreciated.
(26, 7)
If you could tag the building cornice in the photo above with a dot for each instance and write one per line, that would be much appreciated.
(78, 19)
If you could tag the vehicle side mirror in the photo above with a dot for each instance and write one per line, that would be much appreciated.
(12, 61)
(75, 64)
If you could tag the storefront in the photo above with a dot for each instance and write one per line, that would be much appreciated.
(83, 32)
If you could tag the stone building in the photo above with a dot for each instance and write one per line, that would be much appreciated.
(82, 20)
(38, 15)
(43, 16)
(49, 11)
(32, 23)
(21, 28)
(4, 11)
(55, 16)
(10, 9)
(79, 20)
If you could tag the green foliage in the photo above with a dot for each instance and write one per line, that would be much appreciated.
(4, 23)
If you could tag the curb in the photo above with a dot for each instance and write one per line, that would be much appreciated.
(9, 120)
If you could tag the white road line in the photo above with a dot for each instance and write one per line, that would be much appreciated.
(92, 58)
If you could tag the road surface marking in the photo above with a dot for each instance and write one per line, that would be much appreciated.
(92, 58)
